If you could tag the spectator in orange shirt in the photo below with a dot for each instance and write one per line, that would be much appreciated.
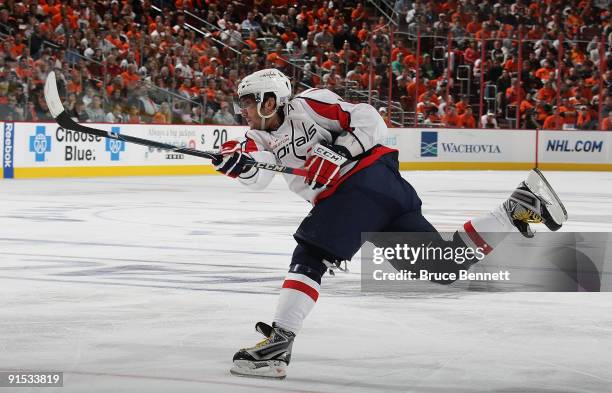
(606, 124)
(569, 112)
(411, 88)
(429, 96)
(514, 91)
(364, 33)
(450, 118)
(252, 40)
(546, 72)
(467, 120)
(163, 115)
(554, 122)
(472, 53)
(526, 105)
(547, 93)
(399, 50)
(289, 35)
(130, 77)
(474, 25)
(462, 105)
(359, 13)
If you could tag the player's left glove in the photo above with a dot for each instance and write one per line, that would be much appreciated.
(232, 161)
(324, 164)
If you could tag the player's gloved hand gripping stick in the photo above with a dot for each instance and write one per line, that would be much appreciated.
(64, 120)
(232, 160)
(324, 165)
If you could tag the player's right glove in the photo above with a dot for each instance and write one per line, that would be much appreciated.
(232, 160)
(324, 164)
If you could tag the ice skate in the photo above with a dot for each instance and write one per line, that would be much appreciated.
(268, 358)
(535, 201)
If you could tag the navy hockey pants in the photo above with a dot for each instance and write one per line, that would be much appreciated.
(375, 199)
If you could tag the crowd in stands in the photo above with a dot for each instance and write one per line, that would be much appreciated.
(137, 61)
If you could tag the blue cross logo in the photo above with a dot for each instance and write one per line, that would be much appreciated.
(40, 143)
(115, 146)
(429, 144)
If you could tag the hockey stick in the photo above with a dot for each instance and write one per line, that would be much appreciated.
(65, 121)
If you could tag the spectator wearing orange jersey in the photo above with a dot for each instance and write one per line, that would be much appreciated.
(399, 50)
(211, 67)
(467, 120)
(359, 13)
(577, 55)
(51, 7)
(554, 121)
(364, 32)
(289, 35)
(462, 105)
(510, 64)
(547, 93)
(411, 88)
(545, 73)
(474, 25)
(514, 92)
(569, 112)
(606, 123)
(472, 53)
(331, 61)
(527, 104)
(16, 49)
(450, 118)
(429, 96)
(130, 77)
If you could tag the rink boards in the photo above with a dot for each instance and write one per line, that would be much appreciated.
(46, 150)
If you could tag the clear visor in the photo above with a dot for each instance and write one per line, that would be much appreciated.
(244, 102)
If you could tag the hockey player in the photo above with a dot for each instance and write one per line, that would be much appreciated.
(354, 186)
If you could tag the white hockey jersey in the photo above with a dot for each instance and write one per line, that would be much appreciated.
(314, 116)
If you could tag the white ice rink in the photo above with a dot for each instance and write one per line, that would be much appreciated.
(151, 285)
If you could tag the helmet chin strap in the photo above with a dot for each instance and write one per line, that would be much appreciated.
(263, 117)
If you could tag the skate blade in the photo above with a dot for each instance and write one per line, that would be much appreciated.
(537, 183)
(265, 370)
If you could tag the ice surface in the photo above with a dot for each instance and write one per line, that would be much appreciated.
(152, 284)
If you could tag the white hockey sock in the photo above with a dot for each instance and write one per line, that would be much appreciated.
(297, 297)
(487, 231)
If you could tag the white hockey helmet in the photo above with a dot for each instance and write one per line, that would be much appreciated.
(265, 81)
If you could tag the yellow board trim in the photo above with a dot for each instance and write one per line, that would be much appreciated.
(563, 166)
(465, 166)
(152, 170)
(165, 170)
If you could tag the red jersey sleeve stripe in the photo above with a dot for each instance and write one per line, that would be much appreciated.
(302, 287)
(250, 146)
(476, 238)
(331, 112)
